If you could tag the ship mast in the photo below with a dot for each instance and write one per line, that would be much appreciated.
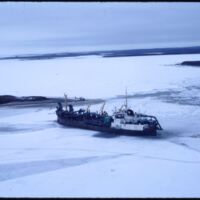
(126, 104)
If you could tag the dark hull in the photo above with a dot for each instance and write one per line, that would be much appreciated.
(83, 125)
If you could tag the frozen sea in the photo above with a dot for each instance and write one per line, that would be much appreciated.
(40, 158)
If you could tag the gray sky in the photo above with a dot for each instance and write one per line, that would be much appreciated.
(98, 25)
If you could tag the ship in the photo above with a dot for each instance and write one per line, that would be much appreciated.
(123, 121)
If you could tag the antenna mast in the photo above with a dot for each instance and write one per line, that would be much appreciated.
(88, 107)
(65, 101)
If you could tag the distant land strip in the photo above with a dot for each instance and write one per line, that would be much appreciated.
(109, 53)
(190, 63)
(42, 101)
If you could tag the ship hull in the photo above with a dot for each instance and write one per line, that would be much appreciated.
(84, 125)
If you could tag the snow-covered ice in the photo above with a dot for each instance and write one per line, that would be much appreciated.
(40, 158)
(94, 76)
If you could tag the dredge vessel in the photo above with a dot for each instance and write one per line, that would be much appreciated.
(123, 121)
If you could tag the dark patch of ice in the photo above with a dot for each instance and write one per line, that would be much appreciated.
(105, 135)
(24, 128)
(16, 170)
(170, 159)
(170, 96)
(195, 136)
(183, 144)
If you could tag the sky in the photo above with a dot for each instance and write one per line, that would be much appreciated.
(58, 26)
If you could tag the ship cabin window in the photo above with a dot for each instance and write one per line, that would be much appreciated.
(119, 116)
(93, 115)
